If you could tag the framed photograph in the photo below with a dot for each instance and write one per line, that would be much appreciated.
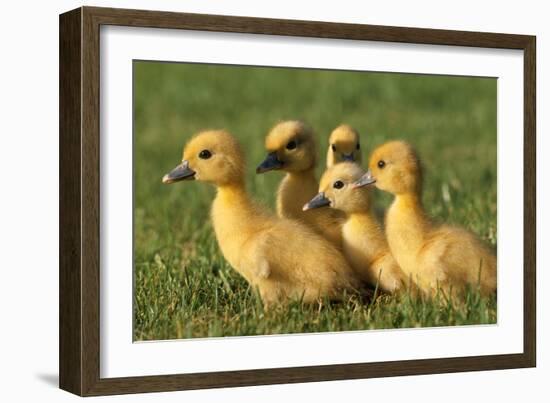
(248, 201)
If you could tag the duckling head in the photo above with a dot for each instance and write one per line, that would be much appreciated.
(290, 146)
(395, 168)
(343, 146)
(337, 190)
(212, 156)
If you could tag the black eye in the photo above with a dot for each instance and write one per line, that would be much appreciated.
(338, 185)
(358, 146)
(381, 164)
(291, 145)
(205, 154)
(333, 148)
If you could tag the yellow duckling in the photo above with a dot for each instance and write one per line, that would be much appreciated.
(291, 147)
(363, 242)
(343, 145)
(282, 258)
(434, 256)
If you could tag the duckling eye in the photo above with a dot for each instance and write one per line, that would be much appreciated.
(381, 164)
(205, 154)
(333, 148)
(358, 146)
(338, 185)
(291, 145)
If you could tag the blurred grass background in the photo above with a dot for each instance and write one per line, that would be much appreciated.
(184, 288)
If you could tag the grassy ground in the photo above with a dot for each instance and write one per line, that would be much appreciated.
(183, 286)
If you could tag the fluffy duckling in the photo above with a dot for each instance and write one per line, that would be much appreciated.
(444, 257)
(291, 148)
(363, 242)
(343, 145)
(283, 259)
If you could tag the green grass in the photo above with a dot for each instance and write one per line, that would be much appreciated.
(184, 287)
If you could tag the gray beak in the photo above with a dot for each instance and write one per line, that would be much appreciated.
(179, 173)
(366, 179)
(270, 163)
(318, 201)
(348, 157)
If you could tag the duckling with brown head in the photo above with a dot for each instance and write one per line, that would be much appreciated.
(267, 251)
(291, 148)
(435, 256)
(363, 241)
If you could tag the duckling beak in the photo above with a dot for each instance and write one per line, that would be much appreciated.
(270, 163)
(179, 173)
(366, 179)
(318, 201)
(348, 157)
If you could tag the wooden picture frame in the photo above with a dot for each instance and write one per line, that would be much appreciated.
(80, 186)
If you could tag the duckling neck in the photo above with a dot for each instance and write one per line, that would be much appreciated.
(406, 225)
(232, 208)
(363, 232)
(236, 219)
(295, 190)
(362, 217)
(302, 176)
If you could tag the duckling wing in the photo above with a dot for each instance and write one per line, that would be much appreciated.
(260, 263)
